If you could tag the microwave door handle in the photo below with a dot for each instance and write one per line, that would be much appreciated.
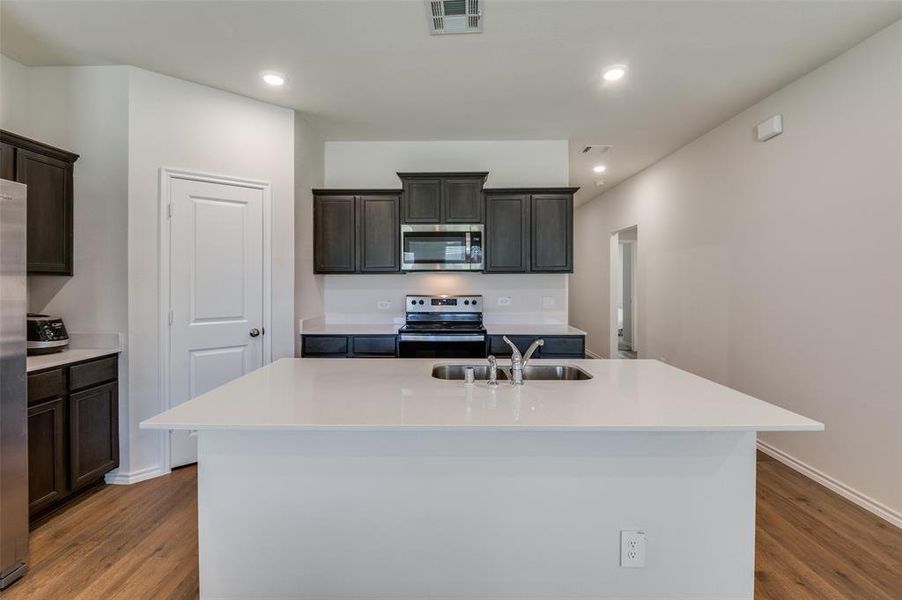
(468, 257)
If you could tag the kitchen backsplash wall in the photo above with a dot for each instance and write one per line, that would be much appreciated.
(525, 299)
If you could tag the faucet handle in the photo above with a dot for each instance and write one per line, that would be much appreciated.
(515, 352)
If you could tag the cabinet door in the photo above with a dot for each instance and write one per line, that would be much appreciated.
(379, 232)
(422, 201)
(49, 226)
(93, 433)
(551, 240)
(334, 246)
(7, 162)
(462, 200)
(46, 454)
(506, 233)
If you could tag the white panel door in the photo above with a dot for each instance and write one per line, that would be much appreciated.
(216, 292)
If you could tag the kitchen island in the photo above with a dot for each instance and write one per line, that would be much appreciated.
(372, 479)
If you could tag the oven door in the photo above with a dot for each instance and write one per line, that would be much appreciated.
(441, 247)
(437, 345)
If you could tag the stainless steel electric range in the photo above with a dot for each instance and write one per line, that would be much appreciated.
(443, 327)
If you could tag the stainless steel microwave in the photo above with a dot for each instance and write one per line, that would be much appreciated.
(441, 247)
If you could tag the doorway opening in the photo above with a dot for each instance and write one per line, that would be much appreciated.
(624, 317)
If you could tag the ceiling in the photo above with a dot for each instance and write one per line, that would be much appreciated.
(369, 70)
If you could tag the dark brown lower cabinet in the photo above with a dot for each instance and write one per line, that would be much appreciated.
(47, 478)
(93, 427)
(73, 431)
(557, 346)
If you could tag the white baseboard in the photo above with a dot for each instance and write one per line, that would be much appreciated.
(853, 495)
(591, 354)
(118, 477)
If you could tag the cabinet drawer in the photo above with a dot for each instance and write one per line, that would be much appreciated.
(374, 345)
(94, 372)
(569, 345)
(48, 384)
(324, 345)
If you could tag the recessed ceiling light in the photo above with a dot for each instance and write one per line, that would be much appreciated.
(614, 72)
(599, 168)
(272, 78)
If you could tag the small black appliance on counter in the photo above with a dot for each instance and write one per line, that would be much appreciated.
(46, 334)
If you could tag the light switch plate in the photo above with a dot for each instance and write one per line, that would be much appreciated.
(384, 304)
(548, 302)
(504, 300)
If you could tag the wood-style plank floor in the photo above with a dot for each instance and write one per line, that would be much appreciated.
(140, 541)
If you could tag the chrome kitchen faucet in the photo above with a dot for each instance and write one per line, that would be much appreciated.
(519, 361)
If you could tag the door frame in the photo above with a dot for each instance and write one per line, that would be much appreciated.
(164, 300)
(614, 264)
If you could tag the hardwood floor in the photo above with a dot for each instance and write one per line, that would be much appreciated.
(140, 541)
(130, 542)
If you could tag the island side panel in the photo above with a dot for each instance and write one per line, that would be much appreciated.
(406, 514)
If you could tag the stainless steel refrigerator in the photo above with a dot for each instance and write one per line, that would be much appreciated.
(13, 400)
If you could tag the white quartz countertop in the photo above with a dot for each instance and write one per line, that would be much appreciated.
(394, 394)
(344, 329)
(392, 329)
(66, 357)
(533, 330)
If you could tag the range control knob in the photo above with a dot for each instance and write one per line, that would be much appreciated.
(413, 301)
(421, 302)
(474, 302)
(466, 302)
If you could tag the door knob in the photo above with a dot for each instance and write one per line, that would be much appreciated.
(255, 332)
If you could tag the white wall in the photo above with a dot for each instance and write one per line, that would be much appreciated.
(85, 110)
(509, 163)
(308, 174)
(14, 96)
(178, 124)
(354, 298)
(752, 271)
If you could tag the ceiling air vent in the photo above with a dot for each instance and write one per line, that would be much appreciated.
(597, 148)
(454, 16)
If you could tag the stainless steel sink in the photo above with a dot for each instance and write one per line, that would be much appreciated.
(554, 373)
(456, 372)
(530, 372)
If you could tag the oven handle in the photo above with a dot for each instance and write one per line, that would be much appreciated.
(434, 337)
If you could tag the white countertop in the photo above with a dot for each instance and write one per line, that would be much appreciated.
(344, 329)
(392, 329)
(59, 359)
(533, 330)
(393, 394)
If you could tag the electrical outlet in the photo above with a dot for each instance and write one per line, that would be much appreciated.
(504, 300)
(632, 549)
(384, 304)
(548, 302)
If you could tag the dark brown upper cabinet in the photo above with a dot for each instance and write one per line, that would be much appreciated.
(506, 233)
(48, 173)
(529, 230)
(551, 233)
(379, 234)
(334, 237)
(356, 231)
(442, 197)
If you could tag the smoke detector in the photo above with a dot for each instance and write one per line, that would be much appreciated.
(454, 16)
